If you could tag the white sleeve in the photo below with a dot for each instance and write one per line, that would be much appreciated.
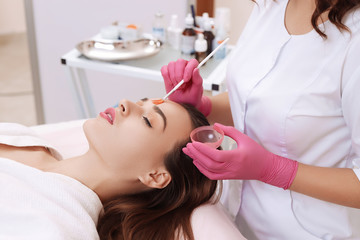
(351, 98)
(357, 173)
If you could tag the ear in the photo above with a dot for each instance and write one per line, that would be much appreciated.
(156, 179)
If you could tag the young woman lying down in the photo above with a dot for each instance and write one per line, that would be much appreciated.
(134, 182)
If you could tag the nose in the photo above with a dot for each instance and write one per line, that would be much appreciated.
(127, 107)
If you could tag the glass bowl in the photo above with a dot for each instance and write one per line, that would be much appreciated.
(209, 135)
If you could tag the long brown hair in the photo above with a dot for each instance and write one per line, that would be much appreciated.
(161, 214)
(337, 10)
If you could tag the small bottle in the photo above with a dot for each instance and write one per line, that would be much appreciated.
(204, 18)
(158, 28)
(219, 38)
(200, 48)
(174, 33)
(188, 36)
(208, 36)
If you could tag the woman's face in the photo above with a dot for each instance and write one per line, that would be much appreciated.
(134, 137)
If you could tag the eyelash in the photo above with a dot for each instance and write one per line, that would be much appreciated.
(147, 122)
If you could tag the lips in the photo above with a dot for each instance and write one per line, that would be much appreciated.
(109, 115)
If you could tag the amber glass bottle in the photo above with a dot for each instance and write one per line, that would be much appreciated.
(208, 36)
(188, 36)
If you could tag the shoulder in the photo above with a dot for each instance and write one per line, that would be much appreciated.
(210, 221)
(265, 10)
(352, 20)
(353, 47)
(351, 67)
(265, 14)
(269, 4)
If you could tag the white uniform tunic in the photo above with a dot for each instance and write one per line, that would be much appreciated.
(299, 97)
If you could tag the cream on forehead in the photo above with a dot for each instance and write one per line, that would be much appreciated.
(157, 101)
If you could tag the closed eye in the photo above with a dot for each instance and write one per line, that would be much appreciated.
(147, 122)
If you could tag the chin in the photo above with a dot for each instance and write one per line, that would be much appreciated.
(96, 132)
(87, 124)
(90, 127)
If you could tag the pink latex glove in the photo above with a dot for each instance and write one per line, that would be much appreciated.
(248, 161)
(191, 91)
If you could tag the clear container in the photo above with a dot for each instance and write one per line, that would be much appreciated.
(208, 135)
(220, 37)
(109, 32)
(158, 28)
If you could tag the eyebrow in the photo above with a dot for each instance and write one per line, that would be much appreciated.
(158, 111)
(161, 113)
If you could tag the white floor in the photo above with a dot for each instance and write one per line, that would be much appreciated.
(16, 92)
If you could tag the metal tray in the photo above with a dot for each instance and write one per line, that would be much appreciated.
(119, 50)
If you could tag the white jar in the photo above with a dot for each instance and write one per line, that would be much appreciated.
(174, 33)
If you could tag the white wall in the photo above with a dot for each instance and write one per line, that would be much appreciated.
(240, 11)
(12, 16)
(60, 25)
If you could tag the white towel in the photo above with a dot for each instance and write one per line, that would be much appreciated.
(43, 205)
(18, 135)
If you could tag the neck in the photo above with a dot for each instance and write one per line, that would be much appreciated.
(91, 171)
(298, 16)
